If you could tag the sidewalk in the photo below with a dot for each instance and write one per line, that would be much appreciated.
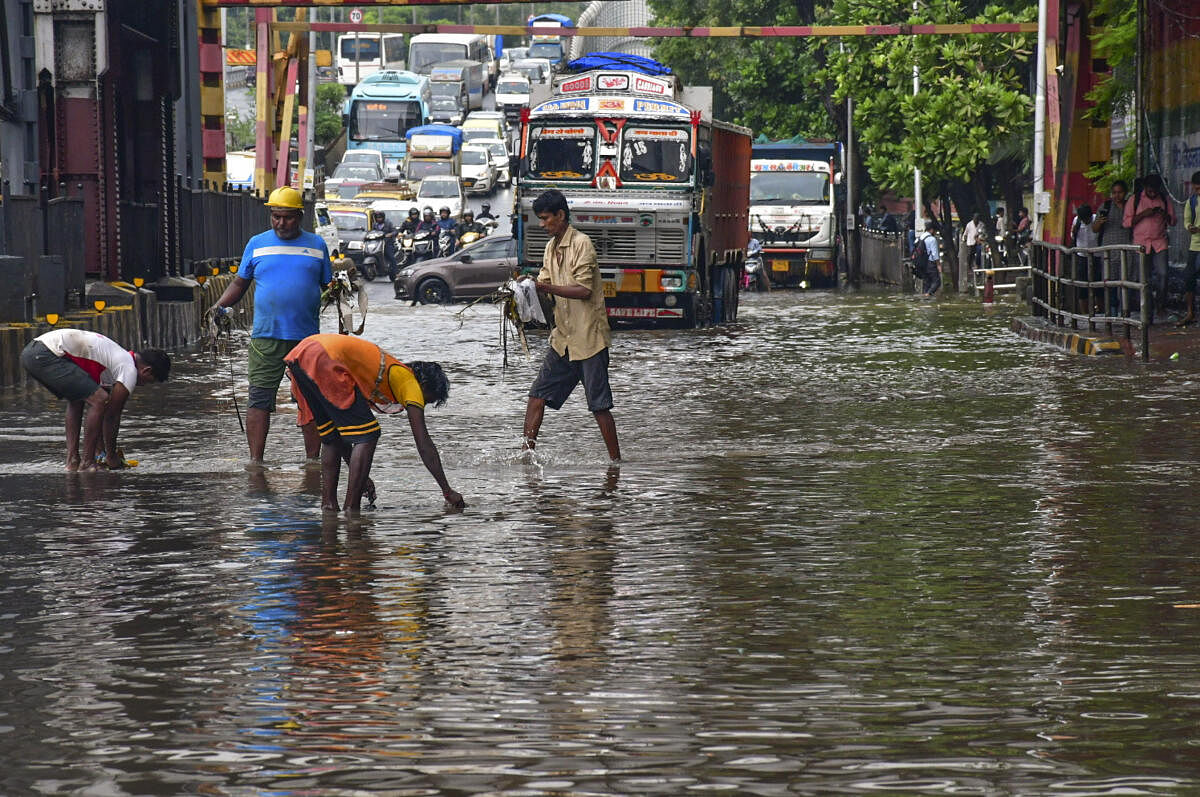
(1166, 341)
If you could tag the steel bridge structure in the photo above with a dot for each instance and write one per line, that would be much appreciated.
(124, 109)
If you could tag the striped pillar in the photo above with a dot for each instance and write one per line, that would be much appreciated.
(212, 92)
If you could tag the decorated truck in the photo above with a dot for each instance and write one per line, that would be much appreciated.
(793, 210)
(660, 187)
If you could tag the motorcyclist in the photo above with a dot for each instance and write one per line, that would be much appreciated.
(410, 224)
(468, 224)
(444, 222)
(485, 213)
(428, 222)
(381, 224)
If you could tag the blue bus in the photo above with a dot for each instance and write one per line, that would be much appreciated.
(547, 46)
(382, 109)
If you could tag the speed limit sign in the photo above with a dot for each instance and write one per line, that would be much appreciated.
(356, 15)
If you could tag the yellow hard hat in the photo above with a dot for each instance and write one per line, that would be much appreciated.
(285, 197)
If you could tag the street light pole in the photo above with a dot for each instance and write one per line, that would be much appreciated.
(1041, 200)
(918, 212)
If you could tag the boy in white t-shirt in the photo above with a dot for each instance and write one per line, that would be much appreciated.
(87, 368)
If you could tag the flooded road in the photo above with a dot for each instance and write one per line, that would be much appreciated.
(861, 543)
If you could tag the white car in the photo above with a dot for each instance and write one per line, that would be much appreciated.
(365, 156)
(478, 173)
(498, 151)
(441, 190)
(512, 93)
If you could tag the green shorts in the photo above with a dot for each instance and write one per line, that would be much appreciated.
(264, 370)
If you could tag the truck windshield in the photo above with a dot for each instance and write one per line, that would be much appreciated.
(419, 170)
(445, 103)
(383, 120)
(562, 152)
(788, 188)
(550, 49)
(651, 155)
(423, 55)
(446, 88)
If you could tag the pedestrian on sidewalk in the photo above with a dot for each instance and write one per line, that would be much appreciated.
(1191, 222)
(1087, 265)
(337, 380)
(1149, 213)
(93, 371)
(927, 257)
(289, 267)
(580, 338)
(1109, 224)
(973, 235)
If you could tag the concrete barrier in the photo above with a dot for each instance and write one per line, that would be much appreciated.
(135, 317)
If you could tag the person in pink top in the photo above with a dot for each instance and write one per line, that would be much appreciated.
(1148, 214)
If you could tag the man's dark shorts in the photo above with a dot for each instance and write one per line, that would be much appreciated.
(1191, 272)
(356, 424)
(57, 374)
(264, 370)
(559, 376)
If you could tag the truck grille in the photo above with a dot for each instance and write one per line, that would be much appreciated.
(624, 245)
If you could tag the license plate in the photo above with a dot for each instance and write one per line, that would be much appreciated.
(610, 290)
(780, 265)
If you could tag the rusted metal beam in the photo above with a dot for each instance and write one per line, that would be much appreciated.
(745, 31)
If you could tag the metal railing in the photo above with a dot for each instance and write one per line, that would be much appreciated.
(1089, 288)
(881, 258)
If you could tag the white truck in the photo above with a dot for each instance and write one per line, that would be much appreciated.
(793, 210)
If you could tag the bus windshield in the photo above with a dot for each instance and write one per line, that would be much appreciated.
(383, 120)
(788, 188)
(653, 155)
(562, 152)
(423, 55)
(363, 49)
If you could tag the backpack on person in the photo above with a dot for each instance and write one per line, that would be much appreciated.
(920, 256)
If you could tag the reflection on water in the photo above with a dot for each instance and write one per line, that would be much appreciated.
(860, 543)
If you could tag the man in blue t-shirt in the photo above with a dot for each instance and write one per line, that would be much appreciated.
(289, 267)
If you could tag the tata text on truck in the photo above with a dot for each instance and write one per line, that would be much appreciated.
(659, 186)
(380, 111)
(432, 149)
(793, 210)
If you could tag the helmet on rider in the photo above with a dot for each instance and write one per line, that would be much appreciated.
(427, 211)
(413, 213)
(468, 215)
(444, 210)
(485, 207)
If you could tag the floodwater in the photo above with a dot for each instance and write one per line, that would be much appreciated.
(860, 544)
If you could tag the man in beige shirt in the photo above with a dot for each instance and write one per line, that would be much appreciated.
(580, 338)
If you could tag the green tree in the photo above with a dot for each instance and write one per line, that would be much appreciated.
(330, 98)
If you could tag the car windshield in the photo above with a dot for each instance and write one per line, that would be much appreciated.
(349, 221)
(438, 189)
(497, 149)
(356, 171)
(512, 87)
(472, 133)
(474, 157)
